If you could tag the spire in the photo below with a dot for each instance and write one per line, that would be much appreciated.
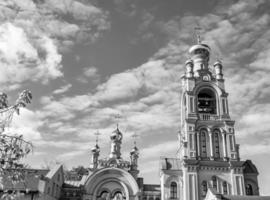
(200, 54)
(116, 141)
(97, 134)
(117, 118)
(197, 32)
(134, 138)
(95, 152)
(134, 155)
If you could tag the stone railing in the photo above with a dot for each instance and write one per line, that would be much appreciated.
(208, 117)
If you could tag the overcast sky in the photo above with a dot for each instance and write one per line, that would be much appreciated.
(86, 61)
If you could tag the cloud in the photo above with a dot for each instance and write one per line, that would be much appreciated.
(90, 74)
(22, 59)
(62, 89)
(23, 125)
(34, 32)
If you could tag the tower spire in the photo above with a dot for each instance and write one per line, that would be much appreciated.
(97, 134)
(134, 138)
(117, 118)
(197, 32)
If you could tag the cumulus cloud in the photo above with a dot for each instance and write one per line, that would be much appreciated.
(34, 32)
(62, 89)
(23, 125)
(23, 59)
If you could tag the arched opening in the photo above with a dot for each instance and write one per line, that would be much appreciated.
(104, 195)
(225, 187)
(173, 190)
(216, 144)
(249, 190)
(118, 196)
(203, 143)
(204, 188)
(207, 101)
(214, 182)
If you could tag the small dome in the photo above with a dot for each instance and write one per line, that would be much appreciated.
(134, 149)
(218, 62)
(95, 148)
(195, 47)
(116, 135)
(189, 61)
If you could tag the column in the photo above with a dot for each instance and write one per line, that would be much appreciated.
(233, 141)
(224, 145)
(211, 144)
(198, 145)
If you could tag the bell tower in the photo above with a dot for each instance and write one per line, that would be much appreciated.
(208, 153)
(207, 131)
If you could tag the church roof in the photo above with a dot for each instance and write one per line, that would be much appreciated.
(53, 171)
(152, 188)
(170, 164)
(250, 168)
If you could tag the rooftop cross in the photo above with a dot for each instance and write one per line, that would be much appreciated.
(134, 137)
(117, 118)
(97, 134)
(197, 32)
(219, 58)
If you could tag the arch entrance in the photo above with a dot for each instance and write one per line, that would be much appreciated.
(110, 190)
(111, 184)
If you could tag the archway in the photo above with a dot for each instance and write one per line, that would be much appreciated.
(119, 184)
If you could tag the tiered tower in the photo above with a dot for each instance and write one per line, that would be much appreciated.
(208, 153)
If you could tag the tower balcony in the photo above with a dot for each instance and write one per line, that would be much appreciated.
(208, 117)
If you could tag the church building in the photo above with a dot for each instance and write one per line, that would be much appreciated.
(208, 165)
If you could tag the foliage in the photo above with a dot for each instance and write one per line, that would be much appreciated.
(13, 148)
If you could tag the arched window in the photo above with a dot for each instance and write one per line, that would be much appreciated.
(104, 195)
(249, 190)
(216, 144)
(151, 198)
(118, 196)
(225, 187)
(203, 143)
(214, 182)
(204, 188)
(173, 190)
(207, 101)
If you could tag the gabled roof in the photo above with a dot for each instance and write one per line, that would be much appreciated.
(53, 171)
(249, 167)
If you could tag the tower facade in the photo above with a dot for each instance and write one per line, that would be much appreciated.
(208, 156)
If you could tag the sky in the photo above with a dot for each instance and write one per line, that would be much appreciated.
(87, 61)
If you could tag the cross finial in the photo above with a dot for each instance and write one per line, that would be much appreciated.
(197, 32)
(97, 134)
(134, 137)
(218, 57)
(117, 118)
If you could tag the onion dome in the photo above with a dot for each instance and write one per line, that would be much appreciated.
(200, 54)
(116, 135)
(95, 149)
(218, 69)
(189, 68)
(134, 150)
